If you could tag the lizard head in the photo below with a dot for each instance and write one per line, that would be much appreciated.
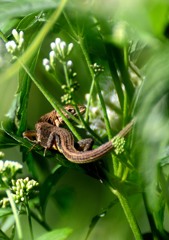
(55, 119)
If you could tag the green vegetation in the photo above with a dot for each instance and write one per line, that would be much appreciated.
(113, 57)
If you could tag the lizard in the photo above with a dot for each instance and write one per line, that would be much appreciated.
(55, 119)
(50, 135)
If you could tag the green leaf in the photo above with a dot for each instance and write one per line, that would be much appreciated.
(58, 234)
(6, 141)
(11, 9)
(9, 138)
(153, 135)
(97, 217)
(30, 22)
(3, 236)
(23, 96)
(5, 212)
(49, 183)
(24, 84)
(36, 163)
(64, 197)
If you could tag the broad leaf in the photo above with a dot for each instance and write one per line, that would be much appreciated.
(58, 234)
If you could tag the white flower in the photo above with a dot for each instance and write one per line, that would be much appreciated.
(21, 34)
(52, 57)
(47, 68)
(69, 64)
(59, 50)
(53, 45)
(45, 61)
(57, 41)
(15, 34)
(70, 47)
(21, 41)
(14, 47)
(11, 46)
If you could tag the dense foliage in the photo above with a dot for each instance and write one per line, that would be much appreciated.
(113, 57)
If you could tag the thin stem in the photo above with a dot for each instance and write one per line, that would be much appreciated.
(3, 37)
(106, 119)
(11, 71)
(77, 110)
(119, 169)
(123, 67)
(29, 219)
(80, 42)
(129, 215)
(125, 174)
(66, 74)
(41, 222)
(125, 109)
(94, 135)
(52, 101)
(114, 73)
(107, 123)
(89, 100)
(14, 210)
(70, 26)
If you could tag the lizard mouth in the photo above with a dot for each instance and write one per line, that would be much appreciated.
(30, 135)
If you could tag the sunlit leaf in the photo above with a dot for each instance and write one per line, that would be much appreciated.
(58, 234)
(11, 9)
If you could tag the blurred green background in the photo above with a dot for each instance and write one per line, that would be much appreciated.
(139, 29)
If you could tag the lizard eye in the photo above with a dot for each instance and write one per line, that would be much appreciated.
(50, 121)
(71, 110)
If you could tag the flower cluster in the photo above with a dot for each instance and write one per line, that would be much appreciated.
(24, 189)
(8, 170)
(60, 51)
(72, 86)
(67, 97)
(118, 143)
(15, 47)
(97, 68)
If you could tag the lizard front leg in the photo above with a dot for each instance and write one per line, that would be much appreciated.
(54, 142)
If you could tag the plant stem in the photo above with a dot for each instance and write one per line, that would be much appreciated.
(106, 119)
(29, 219)
(89, 100)
(66, 74)
(41, 222)
(79, 40)
(11, 71)
(129, 215)
(93, 77)
(52, 101)
(114, 73)
(14, 210)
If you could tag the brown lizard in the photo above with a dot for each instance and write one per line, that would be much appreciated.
(55, 119)
(49, 136)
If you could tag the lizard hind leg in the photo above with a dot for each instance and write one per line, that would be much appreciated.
(84, 144)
